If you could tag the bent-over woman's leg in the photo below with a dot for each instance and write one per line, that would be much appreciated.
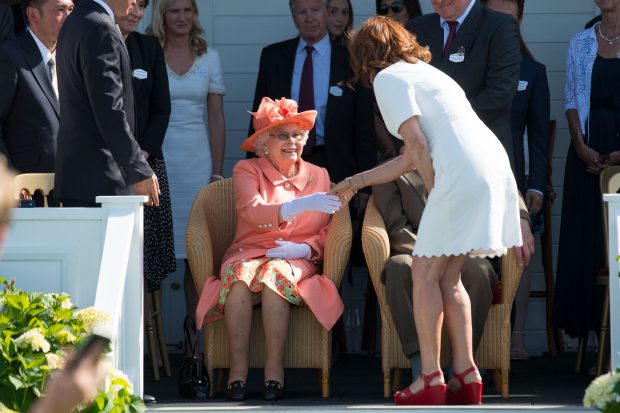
(238, 317)
(428, 313)
(276, 315)
(457, 310)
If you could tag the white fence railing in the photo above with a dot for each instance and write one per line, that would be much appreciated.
(613, 226)
(94, 254)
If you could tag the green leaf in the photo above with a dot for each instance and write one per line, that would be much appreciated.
(16, 381)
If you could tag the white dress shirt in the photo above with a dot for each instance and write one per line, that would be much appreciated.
(321, 60)
(444, 23)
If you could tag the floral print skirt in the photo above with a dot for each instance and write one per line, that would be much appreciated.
(257, 273)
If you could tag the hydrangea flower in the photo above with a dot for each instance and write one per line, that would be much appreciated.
(33, 339)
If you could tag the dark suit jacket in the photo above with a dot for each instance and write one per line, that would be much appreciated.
(490, 71)
(530, 107)
(6, 23)
(29, 108)
(349, 122)
(151, 91)
(97, 152)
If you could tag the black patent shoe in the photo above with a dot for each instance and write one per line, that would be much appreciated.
(237, 391)
(273, 391)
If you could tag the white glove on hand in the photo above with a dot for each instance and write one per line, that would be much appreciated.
(316, 202)
(290, 251)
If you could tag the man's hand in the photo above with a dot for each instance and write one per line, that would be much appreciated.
(525, 252)
(533, 201)
(150, 187)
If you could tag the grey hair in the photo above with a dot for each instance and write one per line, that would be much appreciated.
(259, 144)
(291, 4)
(261, 140)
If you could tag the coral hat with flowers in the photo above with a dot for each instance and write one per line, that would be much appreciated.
(272, 114)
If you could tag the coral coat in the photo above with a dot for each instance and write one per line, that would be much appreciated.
(260, 190)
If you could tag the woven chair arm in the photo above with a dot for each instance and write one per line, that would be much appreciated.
(198, 243)
(376, 246)
(510, 274)
(337, 245)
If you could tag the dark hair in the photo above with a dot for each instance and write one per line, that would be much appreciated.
(379, 43)
(520, 7)
(344, 37)
(30, 3)
(412, 6)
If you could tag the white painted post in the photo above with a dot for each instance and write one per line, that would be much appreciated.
(124, 304)
(613, 225)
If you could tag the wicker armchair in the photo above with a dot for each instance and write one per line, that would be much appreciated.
(494, 349)
(210, 230)
(43, 182)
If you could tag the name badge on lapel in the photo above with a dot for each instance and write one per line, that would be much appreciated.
(335, 90)
(459, 56)
(140, 74)
(522, 85)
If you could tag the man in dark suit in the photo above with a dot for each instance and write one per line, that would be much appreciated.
(401, 204)
(97, 150)
(29, 109)
(6, 23)
(345, 142)
(482, 56)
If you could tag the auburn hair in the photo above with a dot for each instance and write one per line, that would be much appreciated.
(380, 43)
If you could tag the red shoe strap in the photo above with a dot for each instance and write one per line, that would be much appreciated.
(428, 378)
(461, 376)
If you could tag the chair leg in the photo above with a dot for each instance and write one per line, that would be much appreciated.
(603, 334)
(497, 380)
(396, 382)
(325, 383)
(211, 374)
(581, 349)
(150, 333)
(547, 258)
(387, 383)
(504, 378)
(161, 339)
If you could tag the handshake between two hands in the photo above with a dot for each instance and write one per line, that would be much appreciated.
(327, 202)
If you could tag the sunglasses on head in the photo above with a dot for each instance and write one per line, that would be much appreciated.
(396, 7)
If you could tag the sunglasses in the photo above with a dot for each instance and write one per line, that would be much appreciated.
(396, 7)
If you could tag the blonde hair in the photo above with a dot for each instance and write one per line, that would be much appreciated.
(158, 26)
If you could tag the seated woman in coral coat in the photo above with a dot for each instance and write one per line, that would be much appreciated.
(283, 213)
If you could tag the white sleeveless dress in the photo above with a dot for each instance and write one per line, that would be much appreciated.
(186, 145)
(473, 208)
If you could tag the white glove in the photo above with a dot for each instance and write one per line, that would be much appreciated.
(290, 251)
(319, 201)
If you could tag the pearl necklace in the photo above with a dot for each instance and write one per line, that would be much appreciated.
(609, 41)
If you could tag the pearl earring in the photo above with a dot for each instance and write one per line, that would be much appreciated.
(266, 153)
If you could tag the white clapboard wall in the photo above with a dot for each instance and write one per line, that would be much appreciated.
(239, 29)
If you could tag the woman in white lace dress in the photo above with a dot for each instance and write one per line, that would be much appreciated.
(472, 207)
(194, 143)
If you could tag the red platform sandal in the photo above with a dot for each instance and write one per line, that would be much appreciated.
(428, 396)
(470, 393)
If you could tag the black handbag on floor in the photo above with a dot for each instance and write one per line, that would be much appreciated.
(193, 377)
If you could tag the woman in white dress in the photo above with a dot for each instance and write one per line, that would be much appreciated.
(472, 208)
(194, 143)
